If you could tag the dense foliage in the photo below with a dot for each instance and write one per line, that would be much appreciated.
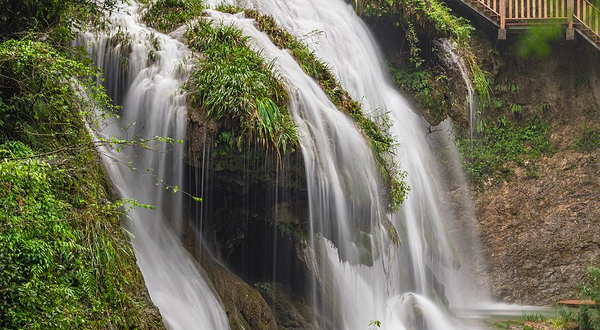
(375, 129)
(38, 95)
(64, 260)
(57, 19)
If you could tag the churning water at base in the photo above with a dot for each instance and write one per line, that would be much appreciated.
(144, 70)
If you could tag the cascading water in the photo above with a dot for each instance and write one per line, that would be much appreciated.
(362, 275)
(450, 56)
(405, 287)
(144, 70)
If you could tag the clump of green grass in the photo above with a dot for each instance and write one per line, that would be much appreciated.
(166, 15)
(376, 131)
(236, 86)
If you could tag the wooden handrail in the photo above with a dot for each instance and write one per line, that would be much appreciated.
(588, 15)
(580, 14)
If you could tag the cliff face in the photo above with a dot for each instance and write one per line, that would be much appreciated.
(540, 232)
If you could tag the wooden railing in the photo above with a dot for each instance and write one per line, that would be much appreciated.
(493, 5)
(589, 16)
(581, 14)
(536, 9)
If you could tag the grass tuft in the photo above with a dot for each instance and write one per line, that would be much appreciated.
(236, 86)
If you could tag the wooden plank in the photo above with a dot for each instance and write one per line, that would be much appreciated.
(576, 303)
(570, 33)
(510, 9)
(522, 15)
(502, 14)
(584, 16)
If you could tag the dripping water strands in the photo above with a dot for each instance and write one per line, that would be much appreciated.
(449, 54)
(143, 70)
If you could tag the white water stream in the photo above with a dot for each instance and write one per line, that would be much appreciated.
(153, 106)
(453, 60)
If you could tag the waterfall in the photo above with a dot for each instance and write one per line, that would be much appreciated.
(143, 70)
(419, 283)
(360, 274)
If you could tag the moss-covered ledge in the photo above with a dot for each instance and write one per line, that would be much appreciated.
(374, 129)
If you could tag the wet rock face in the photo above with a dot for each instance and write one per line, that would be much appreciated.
(253, 215)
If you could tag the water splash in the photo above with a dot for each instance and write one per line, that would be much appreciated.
(144, 70)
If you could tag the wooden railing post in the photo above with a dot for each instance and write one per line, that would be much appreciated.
(502, 12)
(570, 13)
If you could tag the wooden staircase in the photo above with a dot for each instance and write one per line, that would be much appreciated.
(576, 15)
(587, 21)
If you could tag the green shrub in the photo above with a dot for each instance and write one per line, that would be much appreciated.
(58, 20)
(503, 145)
(65, 262)
(38, 95)
(588, 317)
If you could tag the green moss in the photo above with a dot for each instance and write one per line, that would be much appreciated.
(166, 15)
(66, 262)
(503, 145)
(234, 85)
(376, 131)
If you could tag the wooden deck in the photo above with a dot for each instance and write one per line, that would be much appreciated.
(575, 15)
